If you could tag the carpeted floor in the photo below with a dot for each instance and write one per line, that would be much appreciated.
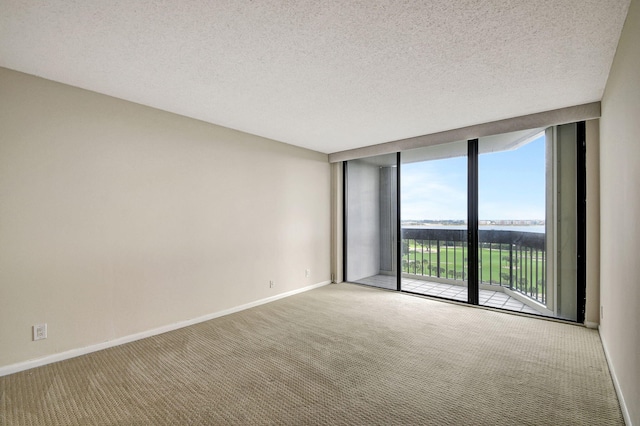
(340, 354)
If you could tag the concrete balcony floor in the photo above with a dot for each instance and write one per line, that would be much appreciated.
(493, 299)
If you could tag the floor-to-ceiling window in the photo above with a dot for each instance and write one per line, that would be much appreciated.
(494, 221)
(512, 231)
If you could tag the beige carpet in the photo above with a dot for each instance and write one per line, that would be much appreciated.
(340, 354)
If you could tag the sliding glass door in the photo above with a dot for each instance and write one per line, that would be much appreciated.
(433, 221)
(528, 210)
(512, 211)
(496, 221)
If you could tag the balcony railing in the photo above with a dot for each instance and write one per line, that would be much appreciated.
(512, 259)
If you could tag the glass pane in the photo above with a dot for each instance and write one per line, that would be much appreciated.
(371, 222)
(512, 214)
(434, 220)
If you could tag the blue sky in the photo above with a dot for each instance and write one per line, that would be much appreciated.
(511, 186)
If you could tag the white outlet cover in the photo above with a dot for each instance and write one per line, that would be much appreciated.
(39, 331)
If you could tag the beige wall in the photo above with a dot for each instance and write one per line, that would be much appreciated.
(620, 215)
(117, 218)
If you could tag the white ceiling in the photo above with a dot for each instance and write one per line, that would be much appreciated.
(328, 75)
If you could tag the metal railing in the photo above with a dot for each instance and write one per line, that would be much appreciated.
(512, 259)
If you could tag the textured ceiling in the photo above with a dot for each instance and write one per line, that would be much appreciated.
(328, 75)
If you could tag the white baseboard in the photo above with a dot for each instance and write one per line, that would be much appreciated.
(590, 324)
(26, 365)
(616, 385)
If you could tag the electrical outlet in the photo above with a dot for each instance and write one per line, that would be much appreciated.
(39, 331)
(307, 273)
(271, 284)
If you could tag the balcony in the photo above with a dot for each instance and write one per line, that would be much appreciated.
(512, 267)
(511, 259)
